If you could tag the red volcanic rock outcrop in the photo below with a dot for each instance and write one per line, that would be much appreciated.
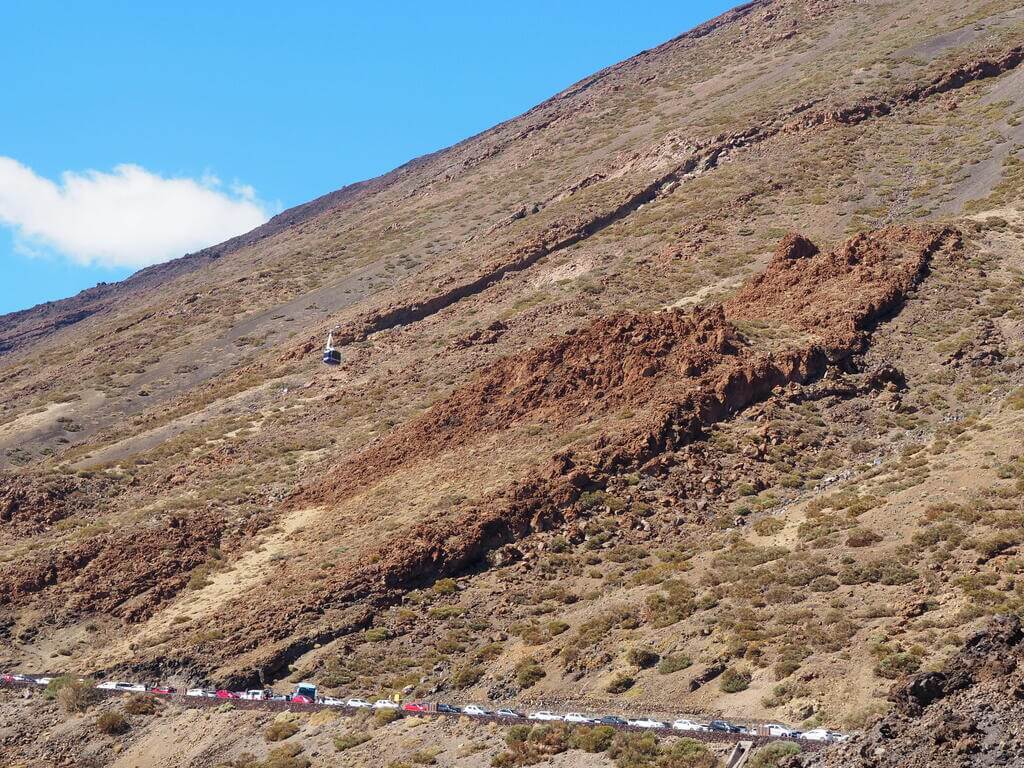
(680, 371)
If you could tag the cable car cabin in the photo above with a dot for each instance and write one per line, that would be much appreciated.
(331, 355)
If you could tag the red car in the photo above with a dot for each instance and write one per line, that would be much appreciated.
(164, 690)
(300, 699)
(227, 695)
(413, 706)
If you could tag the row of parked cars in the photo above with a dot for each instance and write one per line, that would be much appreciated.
(306, 693)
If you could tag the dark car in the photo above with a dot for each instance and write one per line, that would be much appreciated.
(612, 720)
(448, 709)
(724, 726)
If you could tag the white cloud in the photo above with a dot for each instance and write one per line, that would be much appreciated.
(127, 218)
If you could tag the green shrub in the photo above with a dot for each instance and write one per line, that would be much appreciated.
(734, 680)
(385, 716)
(141, 704)
(73, 695)
(112, 723)
(642, 657)
(279, 730)
(768, 526)
(346, 741)
(862, 537)
(674, 663)
(773, 755)
(518, 733)
(620, 683)
(466, 676)
(593, 740)
(633, 750)
(425, 756)
(686, 753)
(528, 673)
(896, 665)
(376, 635)
(445, 587)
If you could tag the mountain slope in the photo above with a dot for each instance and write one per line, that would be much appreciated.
(717, 353)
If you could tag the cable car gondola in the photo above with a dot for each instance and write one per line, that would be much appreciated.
(331, 355)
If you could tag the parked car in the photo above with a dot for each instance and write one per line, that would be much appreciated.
(257, 694)
(647, 722)
(508, 713)
(724, 726)
(543, 715)
(222, 694)
(331, 701)
(17, 679)
(359, 703)
(42, 680)
(475, 710)
(415, 706)
(164, 690)
(688, 725)
(385, 704)
(448, 709)
(280, 697)
(822, 734)
(777, 730)
(112, 685)
(298, 698)
(612, 720)
(576, 717)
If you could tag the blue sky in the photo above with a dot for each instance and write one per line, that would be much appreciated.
(134, 132)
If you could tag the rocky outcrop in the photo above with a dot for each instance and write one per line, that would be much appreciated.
(680, 371)
(971, 713)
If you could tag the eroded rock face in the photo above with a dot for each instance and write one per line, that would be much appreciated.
(679, 371)
(971, 713)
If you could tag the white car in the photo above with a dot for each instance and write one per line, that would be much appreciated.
(688, 725)
(358, 703)
(330, 701)
(111, 685)
(543, 715)
(42, 680)
(385, 704)
(576, 717)
(776, 729)
(647, 722)
(473, 709)
(823, 734)
(202, 693)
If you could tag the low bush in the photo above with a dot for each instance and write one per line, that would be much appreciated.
(773, 755)
(466, 676)
(897, 665)
(686, 753)
(141, 704)
(593, 740)
(346, 741)
(734, 680)
(280, 730)
(73, 695)
(112, 723)
(620, 683)
(528, 673)
(862, 537)
(674, 663)
(642, 657)
(633, 750)
(385, 716)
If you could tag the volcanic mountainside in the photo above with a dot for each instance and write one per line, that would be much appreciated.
(696, 389)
